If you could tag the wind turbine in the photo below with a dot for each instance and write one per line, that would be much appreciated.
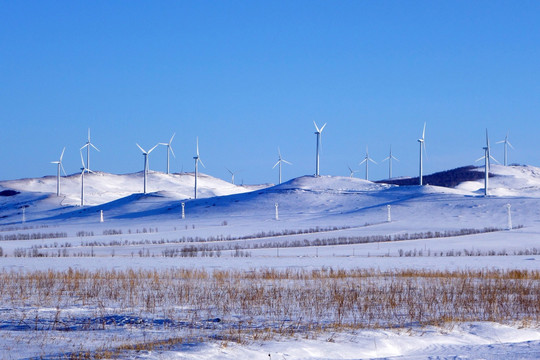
(487, 157)
(422, 143)
(87, 146)
(59, 165)
(390, 157)
(197, 159)
(351, 171)
(281, 160)
(145, 154)
(168, 145)
(232, 175)
(318, 133)
(506, 144)
(366, 160)
(83, 169)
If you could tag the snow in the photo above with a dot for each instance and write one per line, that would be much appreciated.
(465, 341)
(324, 209)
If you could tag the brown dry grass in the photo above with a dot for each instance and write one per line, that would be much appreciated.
(262, 304)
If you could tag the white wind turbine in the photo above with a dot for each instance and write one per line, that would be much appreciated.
(281, 160)
(318, 133)
(232, 175)
(351, 171)
(197, 159)
(169, 148)
(83, 170)
(366, 160)
(390, 157)
(146, 166)
(87, 146)
(59, 165)
(506, 144)
(487, 160)
(422, 143)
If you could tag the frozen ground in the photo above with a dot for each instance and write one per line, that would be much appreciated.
(323, 222)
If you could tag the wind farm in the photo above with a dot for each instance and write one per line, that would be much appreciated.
(383, 240)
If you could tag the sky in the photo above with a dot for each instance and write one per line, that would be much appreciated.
(247, 77)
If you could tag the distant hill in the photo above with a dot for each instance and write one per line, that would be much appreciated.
(448, 178)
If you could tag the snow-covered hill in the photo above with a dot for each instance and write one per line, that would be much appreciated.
(326, 199)
(39, 195)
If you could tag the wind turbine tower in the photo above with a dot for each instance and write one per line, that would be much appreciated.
(506, 144)
(318, 133)
(145, 154)
(87, 146)
(422, 143)
(59, 165)
(366, 160)
(197, 159)
(487, 157)
(281, 160)
(83, 170)
(169, 149)
(390, 158)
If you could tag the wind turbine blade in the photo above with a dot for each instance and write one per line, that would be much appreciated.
(276, 164)
(172, 137)
(508, 142)
(82, 160)
(144, 151)
(202, 163)
(395, 158)
(64, 170)
(322, 127)
(155, 146)
(85, 145)
(477, 160)
(286, 162)
(500, 142)
(361, 162)
(172, 152)
(373, 161)
(425, 151)
(88, 134)
(279, 152)
(62, 155)
(229, 171)
(94, 146)
(424, 131)
(492, 158)
(316, 127)
(197, 146)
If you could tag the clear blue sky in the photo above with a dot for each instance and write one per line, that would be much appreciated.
(249, 76)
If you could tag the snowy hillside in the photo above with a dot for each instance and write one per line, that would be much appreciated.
(39, 195)
(515, 181)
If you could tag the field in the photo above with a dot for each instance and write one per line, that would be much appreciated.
(347, 269)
